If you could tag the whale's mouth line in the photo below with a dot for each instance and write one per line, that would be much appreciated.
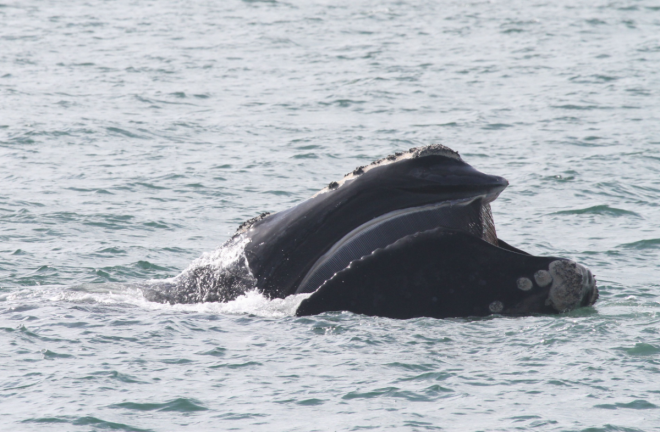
(471, 215)
(486, 197)
(402, 213)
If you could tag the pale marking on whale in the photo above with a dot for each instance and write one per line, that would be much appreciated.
(524, 284)
(496, 306)
(542, 278)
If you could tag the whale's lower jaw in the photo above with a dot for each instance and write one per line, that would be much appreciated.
(442, 273)
(472, 216)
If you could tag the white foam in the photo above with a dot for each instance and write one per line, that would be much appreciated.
(251, 303)
(255, 303)
(230, 253)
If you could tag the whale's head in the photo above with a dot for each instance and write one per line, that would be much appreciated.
(409, 235)
(423, 190)
(400, 195)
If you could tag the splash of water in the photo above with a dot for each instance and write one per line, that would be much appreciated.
(217, 282)
(251, 303)
(219, 276)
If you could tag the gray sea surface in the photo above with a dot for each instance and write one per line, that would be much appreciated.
(136, 136)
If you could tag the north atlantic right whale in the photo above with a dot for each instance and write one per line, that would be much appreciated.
(411, 235)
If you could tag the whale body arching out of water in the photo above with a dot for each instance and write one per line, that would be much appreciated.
(411, 235)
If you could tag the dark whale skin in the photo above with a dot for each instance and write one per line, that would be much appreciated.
(437, 273)
(285, 245)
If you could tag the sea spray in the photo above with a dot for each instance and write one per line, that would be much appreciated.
(219, 276)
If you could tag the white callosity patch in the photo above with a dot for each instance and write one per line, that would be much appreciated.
(524, 284)
(542, 278)
(245, 226)
(570, 283)
(496, 307)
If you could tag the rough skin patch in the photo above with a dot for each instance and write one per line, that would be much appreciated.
(245, 226)
(568, 285)
(415, 152)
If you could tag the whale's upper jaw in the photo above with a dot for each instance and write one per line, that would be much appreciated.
(413, 153)
(433, 165)
(487, 187)
(420, 176)
(420, 181)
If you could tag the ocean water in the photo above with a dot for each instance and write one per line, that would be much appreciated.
(136, 136)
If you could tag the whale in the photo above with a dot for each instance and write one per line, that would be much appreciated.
(410, 235)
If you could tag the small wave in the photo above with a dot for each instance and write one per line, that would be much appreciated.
(603, 210)
(85, 421)
(497, 126)
(306, 156)
(180, 405)
(343, 103)
(578, 107)
(642, 244)
(638, 404)
(119, 131)
(642, 349)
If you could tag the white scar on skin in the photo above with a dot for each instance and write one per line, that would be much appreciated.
(542, 278)
(496, 307)
(524, 284)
